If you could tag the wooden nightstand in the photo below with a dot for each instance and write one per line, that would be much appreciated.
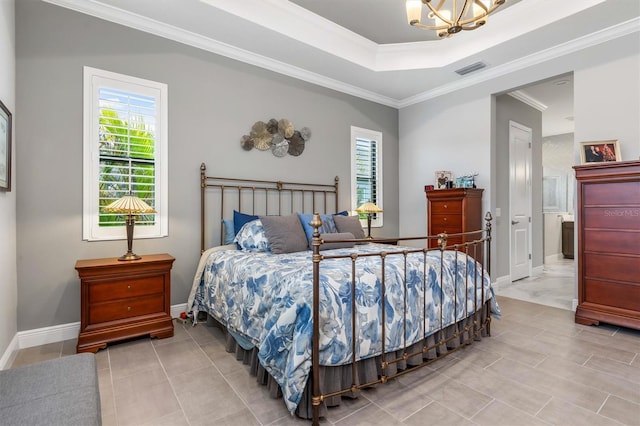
(124, 299)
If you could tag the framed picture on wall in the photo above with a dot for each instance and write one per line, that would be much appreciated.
(444, 179)
(5, 148)
(599, 151)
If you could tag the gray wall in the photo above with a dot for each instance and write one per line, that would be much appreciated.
(454, 129)
(8, 273)
(213, 101)
(511, 109)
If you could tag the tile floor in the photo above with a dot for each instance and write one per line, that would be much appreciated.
(537, 368)
(555, 286)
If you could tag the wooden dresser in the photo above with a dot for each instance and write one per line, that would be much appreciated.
(608, 227)
(124, 299)
(454, 211)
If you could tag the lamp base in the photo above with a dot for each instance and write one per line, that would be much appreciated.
(129, 256)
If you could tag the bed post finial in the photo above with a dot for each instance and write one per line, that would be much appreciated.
(488, 218)
(442, 241)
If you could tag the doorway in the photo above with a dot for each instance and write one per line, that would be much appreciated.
(552, 277)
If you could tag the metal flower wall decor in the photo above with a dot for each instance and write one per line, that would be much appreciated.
(279, 136)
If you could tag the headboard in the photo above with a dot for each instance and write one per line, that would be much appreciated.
(263, 197)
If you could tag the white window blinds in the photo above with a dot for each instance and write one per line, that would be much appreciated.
(125, 151)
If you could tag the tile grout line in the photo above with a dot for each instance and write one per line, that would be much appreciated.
(173, 390)
(245, 403)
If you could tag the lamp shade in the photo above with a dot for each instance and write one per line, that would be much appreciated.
(129, 204)
(369, 208)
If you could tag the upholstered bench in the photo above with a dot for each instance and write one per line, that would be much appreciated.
(61, 391)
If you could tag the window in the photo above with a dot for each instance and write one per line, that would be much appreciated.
(366, 170)
(124, 151)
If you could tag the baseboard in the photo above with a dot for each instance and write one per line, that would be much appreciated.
(176, 310)
(10, 354)
(53, 334)
(574, 305)
(552, 258)
(45, 335)
(501, 282)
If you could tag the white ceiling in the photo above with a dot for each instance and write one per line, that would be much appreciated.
(366, 48)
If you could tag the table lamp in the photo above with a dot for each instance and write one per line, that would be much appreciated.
(369, 209)
(129, 205)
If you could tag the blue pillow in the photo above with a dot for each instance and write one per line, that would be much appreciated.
(229, 232)
(239, 219)
(328, 225)
(343, 213)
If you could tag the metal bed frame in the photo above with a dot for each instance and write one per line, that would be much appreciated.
(286, 197)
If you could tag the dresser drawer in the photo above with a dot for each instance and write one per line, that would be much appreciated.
(612, 217)
(446, 221)
(124, 288)
(446, 207)
(111, 311)
(617, 295)
(612, 267)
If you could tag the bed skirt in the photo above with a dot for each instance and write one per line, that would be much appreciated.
(333, 379)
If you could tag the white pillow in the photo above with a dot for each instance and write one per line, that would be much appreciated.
(251, 237)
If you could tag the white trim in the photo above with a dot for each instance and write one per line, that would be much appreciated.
(151, 26)
(9, 354)
(501, 282)
(575, 45)
(46, 335)
(553, 258)
(93, 79)
(176, 310)
(54, 334)
(574, 305)
(373, 135)
(523, 96)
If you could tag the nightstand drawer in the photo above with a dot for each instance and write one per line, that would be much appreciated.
(103, 312)
(446, 207)
(125, 288)
(124, 299)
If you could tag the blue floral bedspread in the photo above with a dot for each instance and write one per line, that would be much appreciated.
(268, 299)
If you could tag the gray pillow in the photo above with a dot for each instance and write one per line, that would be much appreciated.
(336, 236)
(349, 224)
(285, 233)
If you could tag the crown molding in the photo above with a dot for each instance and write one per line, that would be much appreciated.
(151, 26)
(629, 27)
(109, 13)
(526, 98)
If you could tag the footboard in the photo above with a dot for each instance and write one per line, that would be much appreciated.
(469, 323)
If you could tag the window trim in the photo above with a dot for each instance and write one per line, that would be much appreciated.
(371, 135)
(94, 78)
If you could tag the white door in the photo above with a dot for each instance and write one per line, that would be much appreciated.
(520, 199)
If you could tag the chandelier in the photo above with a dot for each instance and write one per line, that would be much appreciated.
(451, 16)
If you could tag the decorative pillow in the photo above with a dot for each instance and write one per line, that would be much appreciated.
(284, 233)
(349, 224)
(239, 219)
(337, 236)
(343, 213)
(328, 224)
(252, 237)
(229, 233)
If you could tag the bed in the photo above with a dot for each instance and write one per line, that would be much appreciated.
(289, 307)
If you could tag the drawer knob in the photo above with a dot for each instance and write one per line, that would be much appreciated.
(445, 206)
(445, 219)
(128, 308)
(129, 287)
